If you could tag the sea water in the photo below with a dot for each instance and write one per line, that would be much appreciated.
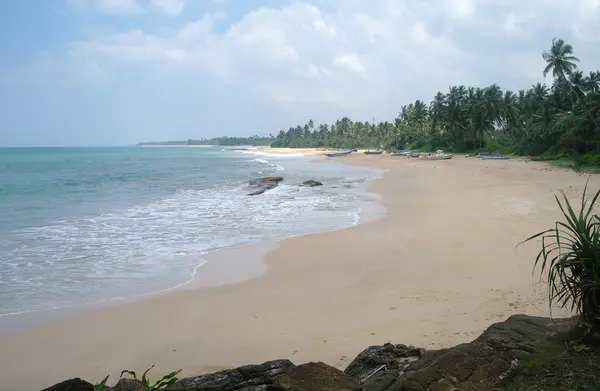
(90, 225)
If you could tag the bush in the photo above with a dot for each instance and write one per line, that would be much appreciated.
(570, 257)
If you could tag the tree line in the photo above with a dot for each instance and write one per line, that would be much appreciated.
(560, 118)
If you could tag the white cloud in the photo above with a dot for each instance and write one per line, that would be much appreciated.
(366, 56)
(172, 7)
(126, 7)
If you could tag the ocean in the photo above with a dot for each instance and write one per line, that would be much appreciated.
(91, 225)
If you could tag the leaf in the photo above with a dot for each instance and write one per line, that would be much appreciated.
(100, 386)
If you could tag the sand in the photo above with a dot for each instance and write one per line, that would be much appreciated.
(438, 269)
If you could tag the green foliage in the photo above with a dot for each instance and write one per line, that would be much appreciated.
(570, 257)
(163, 382)
(100, 386)
(560, 119)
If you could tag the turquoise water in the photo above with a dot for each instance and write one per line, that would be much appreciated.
(85, 225)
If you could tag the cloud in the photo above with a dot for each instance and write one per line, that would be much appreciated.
(128, 7)
(172, 7)
(317, 58)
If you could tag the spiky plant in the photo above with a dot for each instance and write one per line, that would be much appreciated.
(570, 259)
(165, 381)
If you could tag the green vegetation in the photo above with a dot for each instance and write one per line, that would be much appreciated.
(561, 119)
(165, 381)
(102, 385)
(563, 365)
(570, 258)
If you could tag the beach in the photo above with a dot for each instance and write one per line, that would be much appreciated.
(435, 271)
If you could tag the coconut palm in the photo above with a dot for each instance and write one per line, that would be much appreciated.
(559, 59)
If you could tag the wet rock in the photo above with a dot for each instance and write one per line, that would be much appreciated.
(312, 183)
(314, 377)
(246, 378)
(75, 384)
(264, 184)
(393, 357)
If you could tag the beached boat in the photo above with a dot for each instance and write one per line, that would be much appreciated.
(373, 152)
(544, 158)
(437, 156)
(495, 157)
(337, 154)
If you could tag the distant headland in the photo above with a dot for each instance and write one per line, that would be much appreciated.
(227, 141)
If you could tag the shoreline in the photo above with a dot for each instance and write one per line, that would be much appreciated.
(212, 265)
(326, 296)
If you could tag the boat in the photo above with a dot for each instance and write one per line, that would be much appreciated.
(437, 156)
(373, 152)
(337, 154)
(495, 157)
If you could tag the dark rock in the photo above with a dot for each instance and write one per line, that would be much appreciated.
(392, 356)
(264, 184)
(246, 378)
(312, 183)
(75, 384)
(129, 385)
(476, 365)
(314, 377)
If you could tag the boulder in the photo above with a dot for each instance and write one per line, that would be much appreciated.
(393, 357)
(314, 377)
(246, 378)
(264, 184)
(75, 384)
(477, 365)
(312, 183)
(129, 385)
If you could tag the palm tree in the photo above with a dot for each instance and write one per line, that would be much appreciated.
(559, 59)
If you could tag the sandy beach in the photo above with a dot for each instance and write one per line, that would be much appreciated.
(440, 267)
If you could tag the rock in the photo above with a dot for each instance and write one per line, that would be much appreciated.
(312, 183)
(394, 357)
(477, 365)
(266, 179)
(246, 378)
(314, 377)
(129, 385)
(75, 384)
(264, 184)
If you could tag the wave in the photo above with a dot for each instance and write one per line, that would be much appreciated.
(272, 154)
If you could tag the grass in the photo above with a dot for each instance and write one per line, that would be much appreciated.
(562, 365)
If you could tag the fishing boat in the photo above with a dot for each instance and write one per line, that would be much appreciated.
(495, 157)
(373, 152)
(337, 154)
(437, 156)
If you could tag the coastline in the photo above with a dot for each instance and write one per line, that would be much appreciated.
(328, 295)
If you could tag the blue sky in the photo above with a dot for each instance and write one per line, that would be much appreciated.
(115, 72)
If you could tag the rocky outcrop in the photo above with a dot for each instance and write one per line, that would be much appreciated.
(263, 184)
(246, 378)
(314, 377)
(479, 365)
(312, 183)
(475, 365)
(387, 357)
(75, 384)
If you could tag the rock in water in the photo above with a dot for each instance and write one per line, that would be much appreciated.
(373, 357)
(312, 183)
(264, 184)
(75, 384)
(246, 378)
(314, 377)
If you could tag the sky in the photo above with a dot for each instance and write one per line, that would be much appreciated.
(116, 72)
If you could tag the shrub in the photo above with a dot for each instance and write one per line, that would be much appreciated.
(165, 381)
(570, 257)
